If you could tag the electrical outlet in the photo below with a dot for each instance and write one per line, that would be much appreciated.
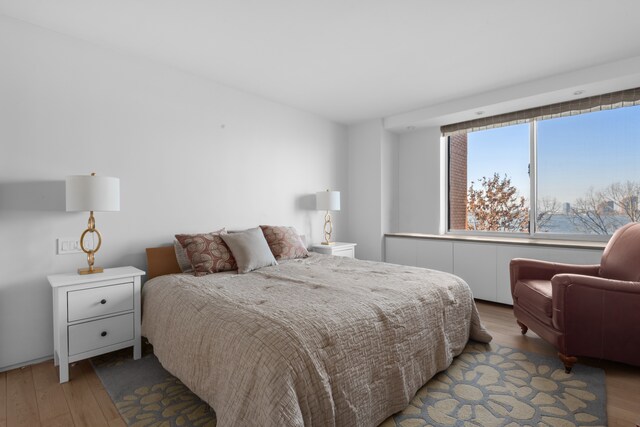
(68, 245)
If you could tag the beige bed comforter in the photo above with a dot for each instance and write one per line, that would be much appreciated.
(322, 341)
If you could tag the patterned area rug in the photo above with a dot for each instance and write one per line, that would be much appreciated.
(487, 385)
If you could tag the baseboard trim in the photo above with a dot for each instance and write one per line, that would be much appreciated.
(27, 363)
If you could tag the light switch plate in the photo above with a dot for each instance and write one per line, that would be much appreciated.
(68, 245)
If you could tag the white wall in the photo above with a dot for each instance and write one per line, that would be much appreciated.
(192, 156)
(419, 181)
(389, 181)
(373, 187)
(365, 215)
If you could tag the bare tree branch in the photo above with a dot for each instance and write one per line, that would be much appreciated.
(592, 214)
(625, 197)
(546, 209)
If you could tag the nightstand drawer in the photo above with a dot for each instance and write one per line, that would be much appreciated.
(343, 249)
(348, 252)
(100, 301)
(100, 333)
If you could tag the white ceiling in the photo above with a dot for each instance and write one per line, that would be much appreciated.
(350, 60)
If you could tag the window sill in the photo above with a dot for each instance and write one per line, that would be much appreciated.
(575, 244)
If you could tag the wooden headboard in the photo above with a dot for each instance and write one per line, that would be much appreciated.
(161, 261)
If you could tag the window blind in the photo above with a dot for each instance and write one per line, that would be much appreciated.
(608, 101)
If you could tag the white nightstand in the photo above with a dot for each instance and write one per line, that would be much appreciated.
(337, 249)
(95, 314)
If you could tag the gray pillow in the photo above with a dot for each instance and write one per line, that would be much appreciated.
(181, 256)
(250, 249)
(303, 237)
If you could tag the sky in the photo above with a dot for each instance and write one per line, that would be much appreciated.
(574, 153)
(503, 150)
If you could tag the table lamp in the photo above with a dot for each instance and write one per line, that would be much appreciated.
(91, 193)
(328, 201)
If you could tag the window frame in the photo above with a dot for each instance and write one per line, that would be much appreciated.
(533, 234)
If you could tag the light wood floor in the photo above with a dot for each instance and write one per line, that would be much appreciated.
(623, 381)
(32, 396)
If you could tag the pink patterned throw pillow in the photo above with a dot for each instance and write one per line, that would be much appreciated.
(207, 252)
(284, 242)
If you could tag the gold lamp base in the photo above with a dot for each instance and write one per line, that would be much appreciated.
(91, 270)
(328, 229)
(90, 252)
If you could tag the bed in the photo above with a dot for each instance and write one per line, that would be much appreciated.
(319, 341)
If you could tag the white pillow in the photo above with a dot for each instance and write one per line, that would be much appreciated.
(250, 249)
(303, 237)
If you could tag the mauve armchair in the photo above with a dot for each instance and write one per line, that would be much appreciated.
(584, 310)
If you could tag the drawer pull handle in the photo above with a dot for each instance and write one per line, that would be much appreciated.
(103, 334)
(104, 301)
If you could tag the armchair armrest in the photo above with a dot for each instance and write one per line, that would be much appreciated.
(572, 293)
(561, 281)
(522, 268)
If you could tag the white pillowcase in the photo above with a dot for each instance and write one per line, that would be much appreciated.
(250, 249)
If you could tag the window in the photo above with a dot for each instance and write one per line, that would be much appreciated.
(588, 172)
(493, 194)
(585, 172)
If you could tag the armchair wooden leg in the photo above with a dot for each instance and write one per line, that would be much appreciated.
(523, 327)
(568, 362)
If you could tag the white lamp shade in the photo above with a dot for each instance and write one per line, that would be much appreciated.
(328, 200)
(92, 193)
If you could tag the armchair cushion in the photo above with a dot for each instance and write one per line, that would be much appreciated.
(535, 297)
(531, 269)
